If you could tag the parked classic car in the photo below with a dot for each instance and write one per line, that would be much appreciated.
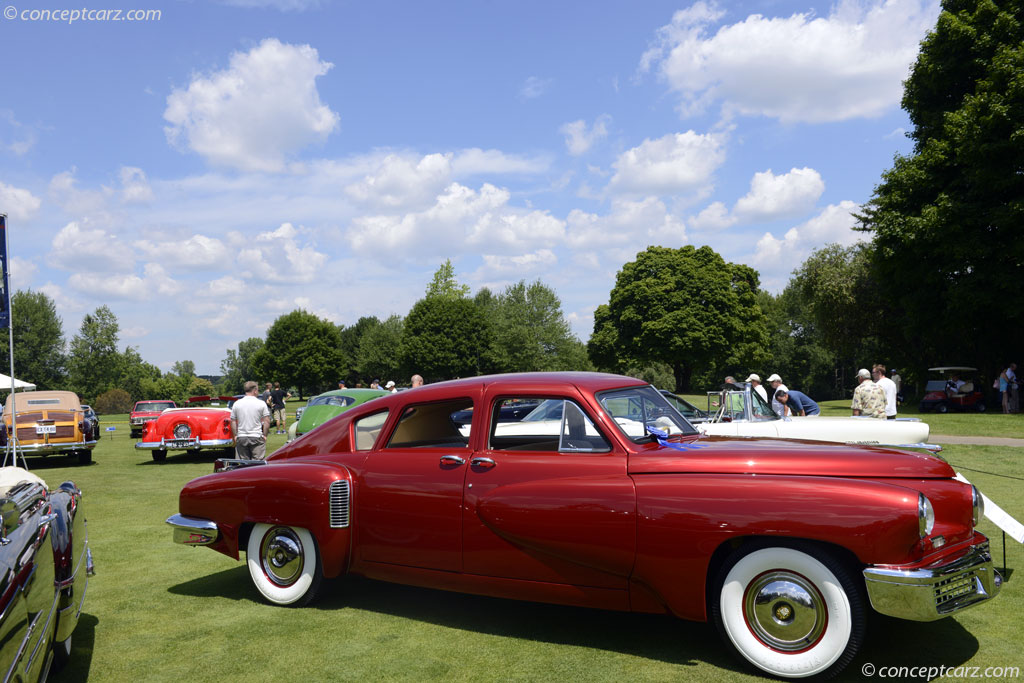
(323, 407)
(742, 412)
(783, 544)
(51, 422)
(966, 396)
(692, 413)
(146, 411)
(193, 428)
(45, 564)
(93, 420)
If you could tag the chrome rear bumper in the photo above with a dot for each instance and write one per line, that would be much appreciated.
(939, 590)
(194, 444)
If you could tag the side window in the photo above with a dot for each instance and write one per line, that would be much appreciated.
(554, 425)
(367, 429)
(430, 425)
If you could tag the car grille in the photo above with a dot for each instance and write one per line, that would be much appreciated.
(339, 504)
(954, 588)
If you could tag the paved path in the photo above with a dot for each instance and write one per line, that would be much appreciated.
(976, 440)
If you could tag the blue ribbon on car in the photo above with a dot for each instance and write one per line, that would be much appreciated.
(662, 438)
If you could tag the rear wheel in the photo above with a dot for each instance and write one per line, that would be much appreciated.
(85, 457)
(284, 564)
(792, 611)
(980, 406)
(159, 454)
(942, 408)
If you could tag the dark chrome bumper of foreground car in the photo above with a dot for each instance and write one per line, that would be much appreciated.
(192, 530)
(933, 592)
(184, 444)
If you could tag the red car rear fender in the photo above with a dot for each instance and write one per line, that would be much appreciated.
(289, 494)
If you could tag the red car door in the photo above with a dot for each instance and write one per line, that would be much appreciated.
(410, 496)
(541, 507)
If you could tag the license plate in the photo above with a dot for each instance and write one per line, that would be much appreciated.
(46, 429)
(179, 443)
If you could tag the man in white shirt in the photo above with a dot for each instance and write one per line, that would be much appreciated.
(777, 385)
(250, 423)
(755, 382)
(888, 387)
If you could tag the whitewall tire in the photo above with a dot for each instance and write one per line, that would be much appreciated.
(792, 612)
(284, 564)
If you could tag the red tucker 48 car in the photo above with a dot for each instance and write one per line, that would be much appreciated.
(615, 503)
(193, 428)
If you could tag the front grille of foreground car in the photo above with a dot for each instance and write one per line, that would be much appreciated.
(953, 588)
(339, 504)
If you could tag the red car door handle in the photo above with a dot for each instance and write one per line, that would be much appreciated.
(452, 460)
(482, 462)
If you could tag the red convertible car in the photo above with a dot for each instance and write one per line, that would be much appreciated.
(618, 503)
(193, 428)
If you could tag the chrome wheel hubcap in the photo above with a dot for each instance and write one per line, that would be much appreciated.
(785, 611)
(281, 556)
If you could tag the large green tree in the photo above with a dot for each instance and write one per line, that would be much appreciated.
(38, 341)
(946, 219)
(685, 307)
(93, 359)
(301, 351)
(237, 366)
(136, 376)
(377, 353)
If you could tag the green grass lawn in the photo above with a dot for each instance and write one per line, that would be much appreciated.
(158, 611)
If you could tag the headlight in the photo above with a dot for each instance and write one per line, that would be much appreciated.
(925, 515)
(979, 505)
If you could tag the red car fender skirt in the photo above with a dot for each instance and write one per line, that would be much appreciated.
(295, 494)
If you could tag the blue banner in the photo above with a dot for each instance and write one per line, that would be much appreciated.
(5, 295)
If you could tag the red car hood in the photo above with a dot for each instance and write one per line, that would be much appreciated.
(723, 455)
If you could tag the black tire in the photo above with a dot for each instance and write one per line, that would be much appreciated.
(159, 455)
(194, 452)
(790, 609)
(85, 457)
(136, 434)
(980, 406)
(942, 408)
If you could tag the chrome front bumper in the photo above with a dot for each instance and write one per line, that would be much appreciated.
(936, 591)
(193, 530)
(176, 445)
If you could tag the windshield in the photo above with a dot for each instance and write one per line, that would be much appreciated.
(636, 408)
(340, 401)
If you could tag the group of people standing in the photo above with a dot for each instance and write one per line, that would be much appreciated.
(875, 395)
(784, 401)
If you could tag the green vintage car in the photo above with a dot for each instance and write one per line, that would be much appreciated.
(330, 404)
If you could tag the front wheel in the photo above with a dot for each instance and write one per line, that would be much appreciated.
(284, 564)
(792, 612)
(980, 406)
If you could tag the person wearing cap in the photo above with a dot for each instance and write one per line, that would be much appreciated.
(341, 384)
(755, 382)
(777, 384)
(375, 384)
(868, 397)
(390, 386)
(798, 402)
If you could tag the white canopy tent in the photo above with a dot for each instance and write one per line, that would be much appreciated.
(5, 384)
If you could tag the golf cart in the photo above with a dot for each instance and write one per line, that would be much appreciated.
(942, 395)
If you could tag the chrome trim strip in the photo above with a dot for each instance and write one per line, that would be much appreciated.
(45, 448)
(193, 530)
(339, 504)
(200, 445)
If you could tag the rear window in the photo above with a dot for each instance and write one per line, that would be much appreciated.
(153, 406)
(339, 401)
(367, 429)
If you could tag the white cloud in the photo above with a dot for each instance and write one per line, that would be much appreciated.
(516, 230)
(78, 247)
(715, 216)
(19, 204)
(777, 257)
(403, 181)
(277, 257)
(134, 186)
(534, 87)
(476, 161)
(772, 197)
(578, 140)
(849, 64)
(153, 284)
(198, 252)
(256, 113)
(64, 192)
(673, 164)
(20, 139)
(22, 272)
(133, 332)
(629, 226)
(496, 265)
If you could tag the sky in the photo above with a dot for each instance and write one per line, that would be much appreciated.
(208, 167)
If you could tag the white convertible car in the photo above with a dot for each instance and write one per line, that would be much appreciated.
(742, 412)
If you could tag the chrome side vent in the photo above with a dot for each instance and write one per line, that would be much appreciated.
(339, 504)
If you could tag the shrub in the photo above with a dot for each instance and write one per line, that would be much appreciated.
(113, 402)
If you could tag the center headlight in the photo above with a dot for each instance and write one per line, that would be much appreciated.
(925, 515)
(182, 431)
